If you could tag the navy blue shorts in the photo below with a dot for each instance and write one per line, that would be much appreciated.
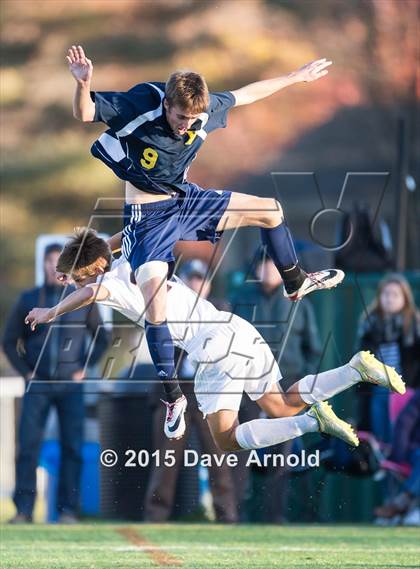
(152, 229)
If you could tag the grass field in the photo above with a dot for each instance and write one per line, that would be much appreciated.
(207, 546)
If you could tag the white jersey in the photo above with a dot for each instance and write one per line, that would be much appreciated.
(190, 318)
(230, 354)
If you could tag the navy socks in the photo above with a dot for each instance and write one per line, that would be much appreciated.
(279, 243)
(161, 349)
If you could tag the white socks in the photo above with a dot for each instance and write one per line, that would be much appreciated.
(262, 433)
(320, 387)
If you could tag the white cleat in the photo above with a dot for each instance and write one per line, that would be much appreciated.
(174, 426)
(330, 424)
(374, 371)
(322, 280)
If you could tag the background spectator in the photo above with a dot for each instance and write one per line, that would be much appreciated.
(391, 331)
(406, 449)
(49, 356)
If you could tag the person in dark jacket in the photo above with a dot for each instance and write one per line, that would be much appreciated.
(52, 360)
(391, 331)
(406, 449)
(261, 302)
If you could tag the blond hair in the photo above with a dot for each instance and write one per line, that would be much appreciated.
(188, 90)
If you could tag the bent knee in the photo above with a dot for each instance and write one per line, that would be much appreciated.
(151, 274)
(226, 441)
(155, 312)
(272, 213)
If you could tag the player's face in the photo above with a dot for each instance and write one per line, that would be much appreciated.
(392, 298)
(78, 281)
(82, 278)
(179, 119)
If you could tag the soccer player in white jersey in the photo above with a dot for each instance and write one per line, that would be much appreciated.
(231, 355)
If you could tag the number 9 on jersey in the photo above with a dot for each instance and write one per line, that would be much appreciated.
(149, 158)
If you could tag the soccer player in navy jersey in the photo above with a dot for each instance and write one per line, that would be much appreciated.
(155, 131)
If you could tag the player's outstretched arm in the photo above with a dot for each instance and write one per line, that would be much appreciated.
(261, 89)
(81, 68)
(75, 300)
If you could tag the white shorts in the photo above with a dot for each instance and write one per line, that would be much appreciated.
(234, 359)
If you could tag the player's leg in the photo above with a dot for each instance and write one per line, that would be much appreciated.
(151, 279)
(312, 391)
(313, 388)
(363, 366)
(276, 403)
(205, 214)
(223, 425)
(150, 233)
(307, 391)
(267, 213)
(230, 436)
(244, 210)
(219, 398)
(159, 340)
(219, 395)
(287, 424)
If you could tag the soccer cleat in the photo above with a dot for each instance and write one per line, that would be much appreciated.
(321, 280)
(174, 427)
(330, 424)
(374, 371)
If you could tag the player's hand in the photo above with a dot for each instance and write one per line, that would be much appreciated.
(80, 66)
(38, 316)
(313, 70)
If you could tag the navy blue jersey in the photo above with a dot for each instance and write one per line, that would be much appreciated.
(141, 147)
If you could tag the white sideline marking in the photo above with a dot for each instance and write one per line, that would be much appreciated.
(209, 547)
